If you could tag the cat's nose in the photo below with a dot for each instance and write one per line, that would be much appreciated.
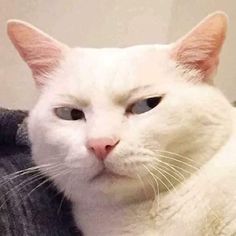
(101, 146)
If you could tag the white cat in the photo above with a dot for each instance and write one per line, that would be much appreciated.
(138, 138)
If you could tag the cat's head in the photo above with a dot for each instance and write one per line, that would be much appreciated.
(120, 121)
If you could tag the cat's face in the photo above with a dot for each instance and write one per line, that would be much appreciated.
(111, 118)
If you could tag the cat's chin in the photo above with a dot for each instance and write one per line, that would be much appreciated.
(116, 187)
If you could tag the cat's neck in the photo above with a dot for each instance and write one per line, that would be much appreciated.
(116, 219)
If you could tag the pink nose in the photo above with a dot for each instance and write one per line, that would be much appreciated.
(101, 146)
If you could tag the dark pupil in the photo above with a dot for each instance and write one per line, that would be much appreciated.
(77, 114)
(152, 102)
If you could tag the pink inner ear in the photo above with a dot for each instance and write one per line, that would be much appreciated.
(201, 47)
(41, 52)
(201, 56)
(43, 59)
(41, 56)
(209, 66)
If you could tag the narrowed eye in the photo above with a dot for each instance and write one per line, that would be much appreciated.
(144, 105)
(67, 113)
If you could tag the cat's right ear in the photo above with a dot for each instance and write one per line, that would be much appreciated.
(41, 52)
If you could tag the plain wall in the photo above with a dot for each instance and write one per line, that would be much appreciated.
(105, 23)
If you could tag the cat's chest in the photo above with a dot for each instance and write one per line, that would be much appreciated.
(182, 223)
(115, 223)
(138, 224)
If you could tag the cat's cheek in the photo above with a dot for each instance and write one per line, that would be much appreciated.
(79, 158)
(81, 163)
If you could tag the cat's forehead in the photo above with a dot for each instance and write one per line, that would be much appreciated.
(115, 63)
(113, 70)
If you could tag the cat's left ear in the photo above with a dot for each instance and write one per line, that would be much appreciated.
(41, 52)
(200, 48)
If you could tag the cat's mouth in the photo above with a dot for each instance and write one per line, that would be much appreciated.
(107, 174)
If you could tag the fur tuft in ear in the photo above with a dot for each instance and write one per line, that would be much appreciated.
(200, 48)
(41, 52)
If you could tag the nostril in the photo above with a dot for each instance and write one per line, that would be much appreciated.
(91, 148)
(109, 148)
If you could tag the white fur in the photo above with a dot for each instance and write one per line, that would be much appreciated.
(177, 160)
(193, 120)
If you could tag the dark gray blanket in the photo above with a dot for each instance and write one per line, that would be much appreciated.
(42, 212)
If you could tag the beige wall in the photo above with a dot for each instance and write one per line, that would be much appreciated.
(105, 23)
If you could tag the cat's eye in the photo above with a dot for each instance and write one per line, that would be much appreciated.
(68, 113)
(144, 105)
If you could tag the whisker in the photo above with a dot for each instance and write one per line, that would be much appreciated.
(180, 182)
(167, 179)
(47, 180)
(21, 171)
(41, 184)
(153, 188)
(172, 176)
(183, 168)
(153, 175)
(169, 166)
(17, 174)
(179, 161)
(179, 155)
(32, 179)
(143, 185)
(17, 188)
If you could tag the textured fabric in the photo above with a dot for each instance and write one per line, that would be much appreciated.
(9, 124)
(24, 212)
